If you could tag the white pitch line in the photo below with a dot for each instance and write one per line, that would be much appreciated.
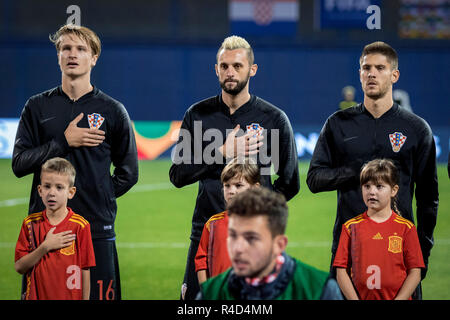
(152, 187)
(185, 245)
(182, 245)
(138, 188)
(177, 245)
(310, 244)
(153, 245)
(13, 202)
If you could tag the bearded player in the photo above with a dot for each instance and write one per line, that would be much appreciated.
(228, 115)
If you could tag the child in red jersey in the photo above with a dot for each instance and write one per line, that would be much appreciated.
(212, 254)
(379, 247)
(54, 248)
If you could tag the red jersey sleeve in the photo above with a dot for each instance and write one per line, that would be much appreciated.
(87, 249)
(22, 245)
(342, 258)
(412, 254)
(202, 252)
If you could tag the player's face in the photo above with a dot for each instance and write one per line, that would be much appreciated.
(377, 195)
(234, 71)
(75, 57)
(376, 76)
(234, 186)
(251, 247)
(55, 191)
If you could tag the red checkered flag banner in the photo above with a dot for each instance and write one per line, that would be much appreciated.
(263, 11)
(266, 18)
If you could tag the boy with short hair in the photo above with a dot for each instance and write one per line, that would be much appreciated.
(212, 255)
(54, 248)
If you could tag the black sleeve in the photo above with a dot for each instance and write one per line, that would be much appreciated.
(288, 181)
(185, 170)
(324, 172)
(28, 153)
(124, 154)
(448, 165)
(427, 194)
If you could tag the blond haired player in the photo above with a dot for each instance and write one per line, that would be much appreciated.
(79, 122)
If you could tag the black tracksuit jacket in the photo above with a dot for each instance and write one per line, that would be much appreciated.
(213, 113)
(353, 137)
(40, 136)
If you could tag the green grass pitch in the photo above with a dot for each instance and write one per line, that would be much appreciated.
(153, 226)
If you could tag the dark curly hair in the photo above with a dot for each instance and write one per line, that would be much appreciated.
(261, 201)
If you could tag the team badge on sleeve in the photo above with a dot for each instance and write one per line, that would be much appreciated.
(95, 120)
(397, 140)
(256, 128)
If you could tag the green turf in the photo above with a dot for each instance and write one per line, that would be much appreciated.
(153, 226)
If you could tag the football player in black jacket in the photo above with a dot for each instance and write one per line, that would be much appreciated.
(79, 122)
(212, 134)
(378, 128)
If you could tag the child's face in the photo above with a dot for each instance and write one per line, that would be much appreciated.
(55, 191)
(378, 195)
(234, 186)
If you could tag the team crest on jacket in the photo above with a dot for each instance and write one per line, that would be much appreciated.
(255, 127)
(95, 120)
(397, 140)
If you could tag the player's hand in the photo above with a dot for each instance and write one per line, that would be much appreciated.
(83, 137)
(244, 145)
(54, 241)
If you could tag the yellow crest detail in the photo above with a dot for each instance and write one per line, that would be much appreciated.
(69, 250)
(395, 244)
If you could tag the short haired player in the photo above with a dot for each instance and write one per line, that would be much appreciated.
(234, 116)
(378, 128)
(212, 254)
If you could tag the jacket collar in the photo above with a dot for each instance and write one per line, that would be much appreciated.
(242, 109)
(91, 93)
(389, 113)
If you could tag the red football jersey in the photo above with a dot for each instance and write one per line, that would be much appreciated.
(58, 275)
(379, 254)
(212, 253)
